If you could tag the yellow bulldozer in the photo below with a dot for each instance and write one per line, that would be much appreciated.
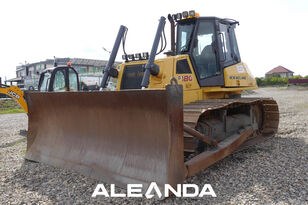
(155, 120)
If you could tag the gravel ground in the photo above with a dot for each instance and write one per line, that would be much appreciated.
(273, 172)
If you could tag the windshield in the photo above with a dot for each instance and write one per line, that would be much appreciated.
(184, 37)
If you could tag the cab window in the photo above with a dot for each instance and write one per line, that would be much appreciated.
(203, 51)
(45, 83)
(182, 67)
(226, 54)
(59, 81)
(73, 80)
(234, 46)
(184, 37)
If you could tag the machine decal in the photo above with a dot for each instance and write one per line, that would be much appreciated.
(15, 95)
(185, 78)
(237, 77)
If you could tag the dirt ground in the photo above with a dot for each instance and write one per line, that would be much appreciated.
(273, 172)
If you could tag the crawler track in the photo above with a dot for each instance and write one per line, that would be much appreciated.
(266, 113)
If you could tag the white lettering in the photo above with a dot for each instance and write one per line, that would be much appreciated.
(113, 194)
(152, 186)
(98, 192)
(134, 190)
(185, 190)
(210, 191)
(176, 192)
(10, 92)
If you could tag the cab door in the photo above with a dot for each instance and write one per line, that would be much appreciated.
(204, 54)
(59, 83)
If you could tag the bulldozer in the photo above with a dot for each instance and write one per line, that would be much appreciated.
(156, 120)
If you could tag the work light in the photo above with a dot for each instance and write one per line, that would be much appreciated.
(174, 16)
(145, 55)
(178, 16)
(131, 56)
(185, 14)
(192, 13)
(124, 57)
(138, 56)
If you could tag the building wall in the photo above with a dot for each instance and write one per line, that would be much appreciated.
(84, 67)
(282, 75)
(21, 73)
(289, 75)
(88, 69)
(286, 75)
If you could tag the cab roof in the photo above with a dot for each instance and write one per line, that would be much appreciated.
(222, 20)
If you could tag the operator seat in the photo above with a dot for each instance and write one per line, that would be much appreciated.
(209, 58)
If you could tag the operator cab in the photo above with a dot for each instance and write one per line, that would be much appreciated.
(211, 44)
(59, 79)
(205, 45)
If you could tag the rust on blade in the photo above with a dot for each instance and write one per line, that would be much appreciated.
(121, 137)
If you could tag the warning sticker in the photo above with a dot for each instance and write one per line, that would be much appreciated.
(185, 78)
(240, 69)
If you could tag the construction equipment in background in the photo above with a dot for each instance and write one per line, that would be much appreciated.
(56, 79)
(147, 130)
(59, 79)
(64, 78)
(15, 93)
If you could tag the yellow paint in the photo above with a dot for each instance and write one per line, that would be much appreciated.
(18, 95)
(238, 75)
(195, 16)
(237, 79)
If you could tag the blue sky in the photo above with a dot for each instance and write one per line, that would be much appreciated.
(271, 33)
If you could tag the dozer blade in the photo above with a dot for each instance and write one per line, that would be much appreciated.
(121, 137)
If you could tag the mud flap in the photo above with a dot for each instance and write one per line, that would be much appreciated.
(120, 137)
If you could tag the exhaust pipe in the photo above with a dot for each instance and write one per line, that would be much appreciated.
(172, 33)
